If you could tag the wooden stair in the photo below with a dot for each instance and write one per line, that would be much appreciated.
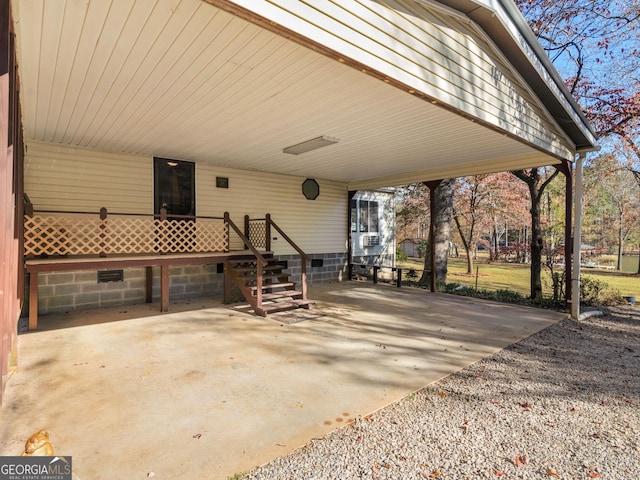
(276, 294)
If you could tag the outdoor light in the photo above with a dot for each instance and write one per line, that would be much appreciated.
(312, 144)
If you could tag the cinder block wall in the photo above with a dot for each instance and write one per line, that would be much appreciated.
(333, 269)
(77, 290)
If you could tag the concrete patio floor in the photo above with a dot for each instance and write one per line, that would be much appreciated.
(130, 393)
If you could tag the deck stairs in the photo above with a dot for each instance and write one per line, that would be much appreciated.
(278, 292)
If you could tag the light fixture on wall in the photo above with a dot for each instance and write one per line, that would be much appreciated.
(312, 144)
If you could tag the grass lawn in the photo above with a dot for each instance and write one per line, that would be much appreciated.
(515, 277)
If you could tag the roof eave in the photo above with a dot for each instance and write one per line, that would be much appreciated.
(502, 21)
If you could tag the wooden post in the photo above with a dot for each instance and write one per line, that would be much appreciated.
(566, 170)
(247, 230)
(375, 273)
(164, 288)
(226, 223)
(103, 227)
(267, 233)
(399, 278)
(33, 300)
(149, 284)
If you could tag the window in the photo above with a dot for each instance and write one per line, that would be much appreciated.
(174, 187)
(364, 216)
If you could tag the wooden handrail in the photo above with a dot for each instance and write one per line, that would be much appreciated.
(260, 260)
(246, 241)
(155, 215)
(286, 237)
(303, 256)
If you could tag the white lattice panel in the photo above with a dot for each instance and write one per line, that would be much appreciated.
(57, 235)
(212, 236)
(130, 235)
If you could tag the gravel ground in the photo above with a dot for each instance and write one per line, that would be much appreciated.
(563, 403)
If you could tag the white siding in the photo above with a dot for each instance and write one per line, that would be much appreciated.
(317, 226)
(66, 178)
(75, 179)
(437, 54)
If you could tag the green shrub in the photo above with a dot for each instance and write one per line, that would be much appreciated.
(401, 256)
(508, 296)
(597, 293)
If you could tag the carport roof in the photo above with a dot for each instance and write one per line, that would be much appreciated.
(187, 80)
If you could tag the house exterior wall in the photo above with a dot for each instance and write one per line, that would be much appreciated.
(430, 50)
(76, 179)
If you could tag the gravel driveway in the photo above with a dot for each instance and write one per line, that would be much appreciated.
(563, 403)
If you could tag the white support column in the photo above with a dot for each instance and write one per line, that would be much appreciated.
(577, 238)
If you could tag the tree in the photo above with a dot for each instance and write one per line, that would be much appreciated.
(469, 199)
(443, 199)
(613, 199)
(493, 203)
(537, 180)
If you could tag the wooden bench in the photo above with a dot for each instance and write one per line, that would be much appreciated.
(59, 264)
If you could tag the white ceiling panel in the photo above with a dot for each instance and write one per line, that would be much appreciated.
(183, 79)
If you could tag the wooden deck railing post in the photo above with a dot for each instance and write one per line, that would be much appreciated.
(247, 230)
(103, 227)
(226, 223)
(267, 232)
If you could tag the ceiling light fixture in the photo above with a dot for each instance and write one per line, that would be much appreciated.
(312, 144)
(172, 164)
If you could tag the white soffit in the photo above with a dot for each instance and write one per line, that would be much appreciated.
(185, 80)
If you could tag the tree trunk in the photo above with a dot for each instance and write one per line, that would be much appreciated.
(536, 186)
(620, 244)
(442, 218)
(536, 245)
(466, 244)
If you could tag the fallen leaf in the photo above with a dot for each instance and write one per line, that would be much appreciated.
(552, 472)
(521, 460)
(496, 402)
(575, 409)
(435, 473)
(375, 469)
(443, 394)
(525, 405)
(593, 475)
(499, 473)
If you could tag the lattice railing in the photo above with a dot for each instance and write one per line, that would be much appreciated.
(257, 233)
(59, 234)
